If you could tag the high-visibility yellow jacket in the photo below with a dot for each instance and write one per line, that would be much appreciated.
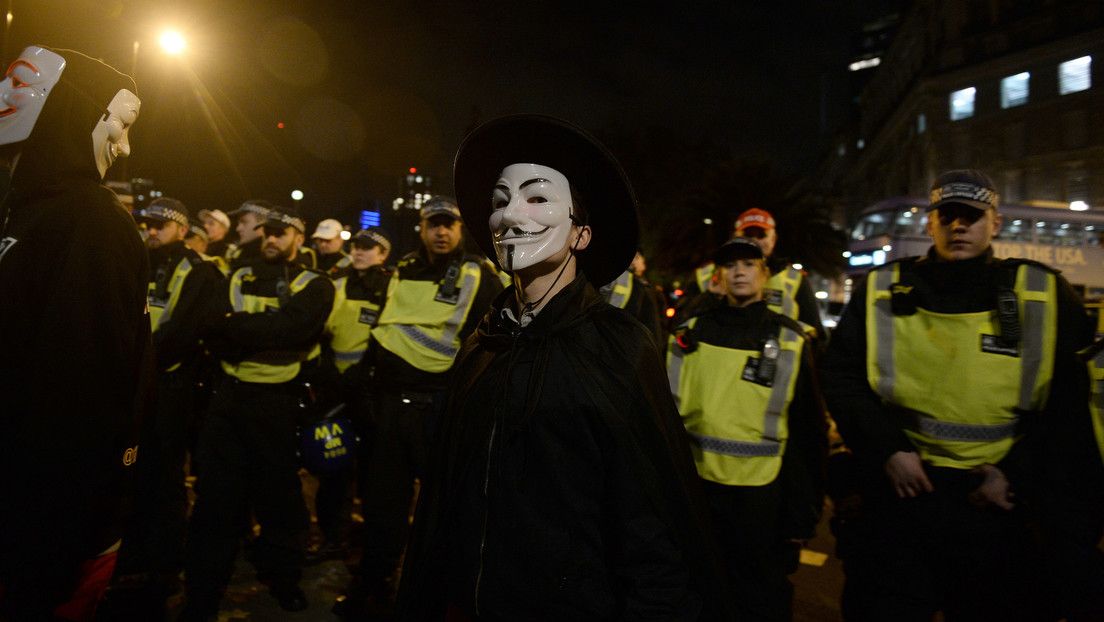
(914, 356)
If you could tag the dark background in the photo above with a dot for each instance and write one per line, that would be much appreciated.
(367, 90)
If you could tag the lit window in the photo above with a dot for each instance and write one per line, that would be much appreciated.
(962, 103)
(921, 123)
(1014, 90)
(1075, 75)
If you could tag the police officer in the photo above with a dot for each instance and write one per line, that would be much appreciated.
(183, 291)
(217, 225)
(198, 240)
(361, 293)
(249, 218)
(787, 292)
(742, 376)
(942, 375)
(328, 242)
(435, 299)
(636, 296)
(247, 445)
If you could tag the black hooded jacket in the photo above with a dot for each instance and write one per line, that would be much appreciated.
(77, 364)
(563, 487)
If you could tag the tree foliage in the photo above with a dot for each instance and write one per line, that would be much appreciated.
(690, 194)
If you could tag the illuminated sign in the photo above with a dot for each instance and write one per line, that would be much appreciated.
(369, 219)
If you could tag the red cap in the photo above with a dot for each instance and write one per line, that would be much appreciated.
(754, 217)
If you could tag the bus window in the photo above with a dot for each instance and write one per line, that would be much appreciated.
(1094, 236)
(872, 226)
(909, 222)
(1058, 233)
(1016, 230)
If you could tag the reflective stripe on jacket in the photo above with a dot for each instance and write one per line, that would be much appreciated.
(955, 385)
(420, 324)
(780, 292)
(161, 308)
(737, 425)
(620, 290)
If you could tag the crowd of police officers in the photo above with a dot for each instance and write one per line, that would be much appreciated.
(960, 384)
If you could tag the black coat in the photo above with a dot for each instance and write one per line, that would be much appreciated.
(563, 487)
(76, 369)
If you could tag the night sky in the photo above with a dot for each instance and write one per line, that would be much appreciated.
(366, 90)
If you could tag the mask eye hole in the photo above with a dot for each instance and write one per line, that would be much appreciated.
(17, 83)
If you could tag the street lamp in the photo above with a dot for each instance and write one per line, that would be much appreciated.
(172, 42)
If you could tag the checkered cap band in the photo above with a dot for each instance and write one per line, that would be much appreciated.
(287, 219)
(378, 239)
(964, 191)
(259, 210)
(164, 212)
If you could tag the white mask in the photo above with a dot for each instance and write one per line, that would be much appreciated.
(531, 217)
(23, 92)
(110, 138)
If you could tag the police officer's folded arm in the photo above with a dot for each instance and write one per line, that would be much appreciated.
(290, 326)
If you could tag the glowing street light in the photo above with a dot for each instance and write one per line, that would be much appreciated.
(172, 42)
(1078, 206)
(297, 195)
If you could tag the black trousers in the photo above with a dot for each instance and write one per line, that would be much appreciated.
(913, 557)
(757, 557)
(247, 458)
(395, 455)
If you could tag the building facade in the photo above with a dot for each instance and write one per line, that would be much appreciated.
(1012, 87)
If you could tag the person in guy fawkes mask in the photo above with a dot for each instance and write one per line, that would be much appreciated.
(76, 365)
(562, 486)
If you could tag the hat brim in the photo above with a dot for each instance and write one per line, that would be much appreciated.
(979, 205)
(276, 223)
(729, 252)
(153, 218)
(589, 167)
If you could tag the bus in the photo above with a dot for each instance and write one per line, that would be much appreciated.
(1066, 240)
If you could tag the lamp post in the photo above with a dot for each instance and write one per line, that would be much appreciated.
(172, 43)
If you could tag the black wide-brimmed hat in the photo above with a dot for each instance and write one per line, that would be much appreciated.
(589, 167)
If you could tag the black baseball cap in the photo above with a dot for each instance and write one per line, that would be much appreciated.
(737, 248)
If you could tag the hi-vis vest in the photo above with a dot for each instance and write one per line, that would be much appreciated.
(421, 321)
(738, 423)
(957, 386)
(161, 307)
(620, 290)
(162, 304)
(265, 369)
(780, 291)
(350, 323)
(1096, 398)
